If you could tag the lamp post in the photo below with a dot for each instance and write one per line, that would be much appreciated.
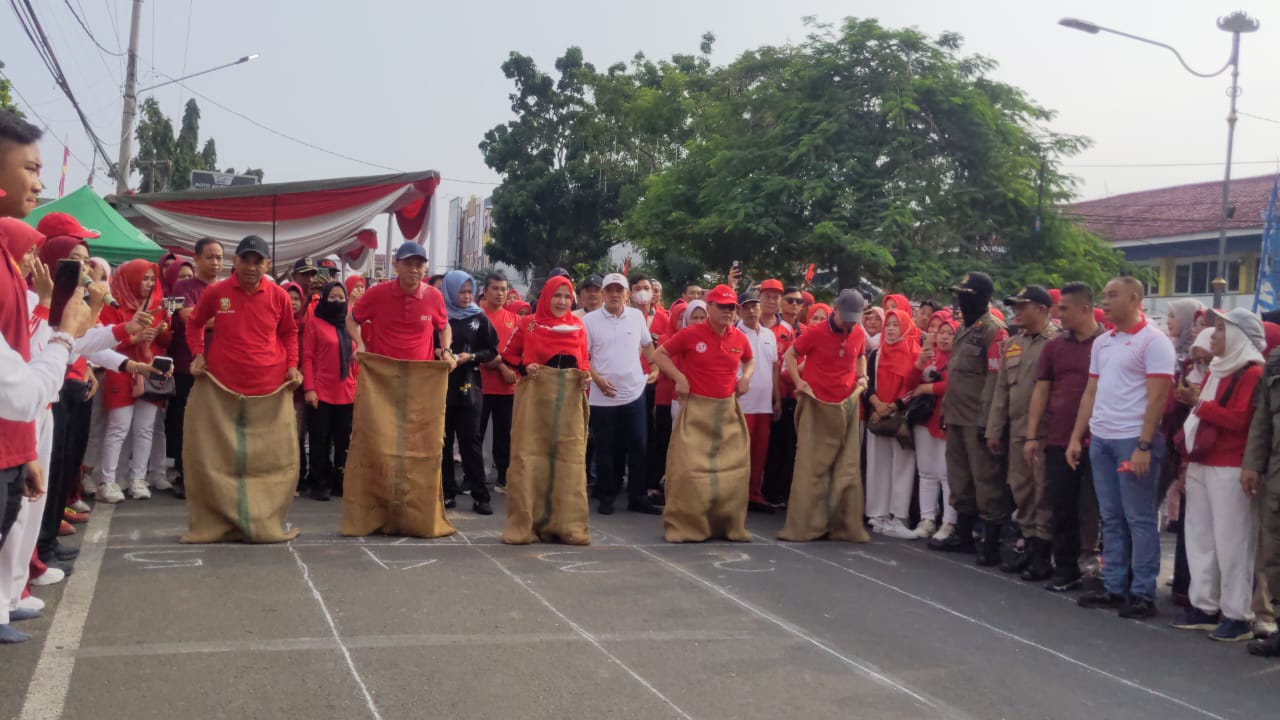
(1236, 23)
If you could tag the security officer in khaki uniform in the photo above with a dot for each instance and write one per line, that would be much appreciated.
(1032, 552)
(1260, 476)
(973, 472)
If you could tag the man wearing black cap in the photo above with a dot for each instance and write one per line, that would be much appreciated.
(590, 295)
(974, 473)
(1032, 552)
(307, 274)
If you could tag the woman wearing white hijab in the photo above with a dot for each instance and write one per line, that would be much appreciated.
(1221, 525)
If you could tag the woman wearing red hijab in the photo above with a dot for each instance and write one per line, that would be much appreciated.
(818, 313)
(930, 378)
(891, 468)
(134, 287)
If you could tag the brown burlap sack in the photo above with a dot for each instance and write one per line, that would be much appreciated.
(708, 472)
(826, 486)
(240, 463)
(547, 479)
(392, 479)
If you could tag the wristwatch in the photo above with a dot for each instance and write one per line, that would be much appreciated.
(1144, 446)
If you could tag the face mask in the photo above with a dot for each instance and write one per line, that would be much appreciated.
(642, 297)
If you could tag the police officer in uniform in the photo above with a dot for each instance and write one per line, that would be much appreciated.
(1032, 552)
(973, 471)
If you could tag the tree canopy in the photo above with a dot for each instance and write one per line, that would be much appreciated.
(164, 161)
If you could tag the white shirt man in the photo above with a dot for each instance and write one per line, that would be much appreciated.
(763, 395)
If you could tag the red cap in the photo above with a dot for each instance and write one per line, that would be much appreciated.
(56, 224)
(999, 315)
(771, 284)
(721, 295)
(1055, 295)
(807, 297)
(1099, 315)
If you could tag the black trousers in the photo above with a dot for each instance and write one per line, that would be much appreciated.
(658, 443)
(13, 482)
(174, 419)
(497, 408)
(329, 434)
(615, 430)
(71, 416)
(1064, 486)
(650, 444)
(781, 460)
(462, 422)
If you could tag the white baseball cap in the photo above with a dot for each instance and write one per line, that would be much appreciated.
(616, 279)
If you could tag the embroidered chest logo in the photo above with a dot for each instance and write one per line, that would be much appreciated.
(1013, 351)
(224, 304)
(475, 325)
(700, 347)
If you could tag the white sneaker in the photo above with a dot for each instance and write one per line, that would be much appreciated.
(944, 532)
(1264, 628)
(31, 603)
(139, 490)
(160, 480)
(110, 493)
(926, 528)
(51, 576)
(89, 488)
(878, 523)
(80, 506)
(895, 529)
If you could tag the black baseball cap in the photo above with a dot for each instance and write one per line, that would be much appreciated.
(974, 282)
(305, 265)
(559, 272)
(1030, 294)
(593, 280)
(253, 244)
(410, 250)
(750, 296)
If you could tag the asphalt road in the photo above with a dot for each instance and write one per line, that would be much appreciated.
(630, 627)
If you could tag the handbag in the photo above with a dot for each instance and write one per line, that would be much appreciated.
(888, 425)
(1206, 433)
(154, 387)
(920, 409)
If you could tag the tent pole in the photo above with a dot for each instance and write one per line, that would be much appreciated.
(387, 269)
(273, 231)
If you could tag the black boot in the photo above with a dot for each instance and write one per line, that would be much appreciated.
(988, 549)
(961, 541)
(1041, 567)
(1014, 559)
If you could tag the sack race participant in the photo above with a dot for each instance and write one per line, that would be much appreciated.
(547, 479)
(709, 459)
(239, 418)
(826, 486)
(392, 479)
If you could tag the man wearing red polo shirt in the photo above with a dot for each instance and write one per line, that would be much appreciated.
(405, 314)
(255, 346)
(497, 379)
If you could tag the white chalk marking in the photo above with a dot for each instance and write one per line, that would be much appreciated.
(728, 558)
(868, 556)
(333, 629)
(571, 567)
(1006, 634)
(369, 552)
(47, 693)
(769, 617)
(582, 632)
(152, 559)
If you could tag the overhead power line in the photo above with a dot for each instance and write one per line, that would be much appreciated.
(43, 123)
(87, 31)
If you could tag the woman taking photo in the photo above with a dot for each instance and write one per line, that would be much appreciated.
(930, 380)
(329, 387)
(891, 468)
(475, 343)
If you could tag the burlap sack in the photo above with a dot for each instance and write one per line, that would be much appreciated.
(826, 486)
(240, 463)
(547, 479)
(392, 480)
(708, 472)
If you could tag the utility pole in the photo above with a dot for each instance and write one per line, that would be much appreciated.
(130, 102)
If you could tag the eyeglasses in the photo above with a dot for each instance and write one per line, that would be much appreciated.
(725, 308)
(794, 301)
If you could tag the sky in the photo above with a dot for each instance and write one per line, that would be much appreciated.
(414, 84)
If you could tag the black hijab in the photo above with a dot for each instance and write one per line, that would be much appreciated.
(335, 313)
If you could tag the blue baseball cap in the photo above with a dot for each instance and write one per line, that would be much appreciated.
(410, 249)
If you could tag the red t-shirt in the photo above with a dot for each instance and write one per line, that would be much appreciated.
(785, 334)
(710, 361)
(830, 360)
(504, 324)
(404, 324)
(658, 323)
(257, 340)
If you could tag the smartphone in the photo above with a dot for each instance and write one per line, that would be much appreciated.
(173, 304)
(162, 363)
(66, 282)
(737, 264)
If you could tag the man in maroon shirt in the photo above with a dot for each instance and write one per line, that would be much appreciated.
(1061, 377)
(208, 262)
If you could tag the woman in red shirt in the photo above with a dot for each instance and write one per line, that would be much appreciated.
(891, 468)
(134, 285)
(929, 378)
(553, 337)
(329, 385)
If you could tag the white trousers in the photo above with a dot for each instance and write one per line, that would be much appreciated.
(140, 418)
(931, 462)
(1222, 536)
(15, 556)
(159, 444)
(891, 473)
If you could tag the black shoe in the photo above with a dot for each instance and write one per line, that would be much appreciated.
(180, 489)
(1041, 565)
(502, 480)
(1196, 619)
(606, 506)
(450, 504)
(1014, 560)
(762, 508)
(482, 507)
(645, 507)
(1100, 599)
(961, 541)
(1138, 609)
(1269, 647)
(63, 553)
(988, 548)
(1065, 581)
(658, 498)
(320, 493)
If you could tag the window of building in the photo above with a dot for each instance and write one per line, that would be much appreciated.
(1196, 278)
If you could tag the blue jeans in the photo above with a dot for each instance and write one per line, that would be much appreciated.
(1127, 505)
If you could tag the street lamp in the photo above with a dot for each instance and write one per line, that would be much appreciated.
(1236, 23)
(171, 81)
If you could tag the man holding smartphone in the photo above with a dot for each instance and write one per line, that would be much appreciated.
(208, 264)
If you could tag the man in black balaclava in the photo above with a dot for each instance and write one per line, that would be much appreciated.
(974, 474)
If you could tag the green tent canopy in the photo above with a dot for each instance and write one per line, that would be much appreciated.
(120, 241)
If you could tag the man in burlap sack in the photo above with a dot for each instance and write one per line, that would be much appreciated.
(708, 461)
(240, 413)
(826, 486)
(392, 482)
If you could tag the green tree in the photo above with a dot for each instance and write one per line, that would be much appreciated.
(164, 161)
(6, 100)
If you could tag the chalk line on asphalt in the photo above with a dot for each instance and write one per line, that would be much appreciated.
(584, 634)
(47, 693)
(1002, 632)
(333, 628)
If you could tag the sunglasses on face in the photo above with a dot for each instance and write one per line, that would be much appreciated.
(724, 308)
(794, 301)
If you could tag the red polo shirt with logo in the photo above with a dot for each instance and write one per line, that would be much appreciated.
(404, 324)
(830, 360)
(504, 324)
(710, 361)
(257, 340)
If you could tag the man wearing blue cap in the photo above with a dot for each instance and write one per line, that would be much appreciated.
(405, 314)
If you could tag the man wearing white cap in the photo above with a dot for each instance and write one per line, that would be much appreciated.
(617, 337)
